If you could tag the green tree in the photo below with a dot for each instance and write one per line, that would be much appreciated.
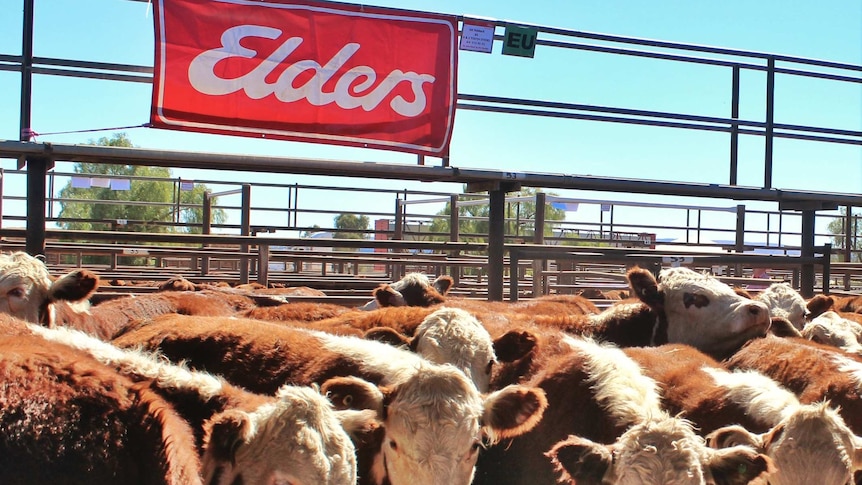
(836, 228)
(149, 205)
(520, 218)
(348, 223)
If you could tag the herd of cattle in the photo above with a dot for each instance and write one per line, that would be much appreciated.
(688, 381)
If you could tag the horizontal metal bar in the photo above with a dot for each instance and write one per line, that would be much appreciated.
(304, 166)
(102, 66)
(93, 75)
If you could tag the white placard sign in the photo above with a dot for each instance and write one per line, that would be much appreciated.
(477, 37)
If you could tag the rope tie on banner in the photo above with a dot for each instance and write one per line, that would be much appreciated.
(31, 134)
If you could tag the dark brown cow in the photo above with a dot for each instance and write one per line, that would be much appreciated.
(69, 419)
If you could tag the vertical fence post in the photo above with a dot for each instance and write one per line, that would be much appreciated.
(740, 236)
(245, 230)
(806, 270)
(454, 236)
(770, 120)
(539, 265)
(734, 128)
(496, 235)
(206, 228)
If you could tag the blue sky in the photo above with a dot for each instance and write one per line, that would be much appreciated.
(121, 31)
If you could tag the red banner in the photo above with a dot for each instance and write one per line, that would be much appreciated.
(306, 71)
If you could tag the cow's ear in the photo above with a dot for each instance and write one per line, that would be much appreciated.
(353, 393)
(74, 286)
(225, 433)
(512, 411)
(781, 327)
(385, 295)
(738, 465)
(645, 288)
(443, 284)
(514, 345)
(579, 460)
(734, 435)
(389, 335)
(818, 305)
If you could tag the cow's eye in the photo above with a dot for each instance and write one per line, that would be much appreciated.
(348, 400)
(16, 293)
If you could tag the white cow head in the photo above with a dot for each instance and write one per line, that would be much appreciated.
(414, 289)
(28, 292)
(298, 439)
(812, 445)
(832, 329)
(783, 301)
(699, 310)
(436, 422)
(660, 451)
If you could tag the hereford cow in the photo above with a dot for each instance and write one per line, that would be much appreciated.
(699, 310)
(594, 392)
(659, 451)
(240, 435)
(814, 372)
(434, 424)
(834, 330)
(784, 301)
(28, 291)
(414, 289)
(67, 418)
(261, 356)
(813, 445)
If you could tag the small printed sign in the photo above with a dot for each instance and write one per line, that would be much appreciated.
(477, 37)
(520, 41)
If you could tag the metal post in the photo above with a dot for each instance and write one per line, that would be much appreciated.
(206, 223)
(245, 224)
(37, 170)
(734, 128)
(454, 236)
(806, 275)
(496, 228)
(770, 120)
(740, 236)
(26, 74)
(539, 265)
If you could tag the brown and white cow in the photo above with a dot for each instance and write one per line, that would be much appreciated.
(784, 301)
(597, 393)
(831, 328)
(812, 445)
(659, 451)
(261, 356)
(434, 424)
(414, 289)
(814, 372)
(699, 310)
(67, 418)
(28, 292)
(292, 436)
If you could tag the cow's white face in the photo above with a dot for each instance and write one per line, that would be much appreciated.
(811, 445)
(783, 301)
(705, 313)
(297, 440)
(830, 328)
(433, 430)
(24, 286)
(454, 336)
(662, 450)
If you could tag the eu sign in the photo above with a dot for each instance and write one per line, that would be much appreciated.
(519, 41)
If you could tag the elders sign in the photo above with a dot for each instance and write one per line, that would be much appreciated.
(307, 71)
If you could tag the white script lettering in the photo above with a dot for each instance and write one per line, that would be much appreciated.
(352, 90)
